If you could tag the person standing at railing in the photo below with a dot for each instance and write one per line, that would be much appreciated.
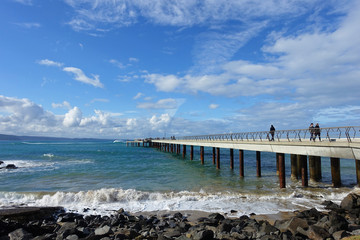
(317, 132)
(311, 130)
(272, 132)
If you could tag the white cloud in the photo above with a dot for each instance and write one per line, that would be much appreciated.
(138, 95)
(117, 63)
(73, 117)
(168, 103)
(29, 25)
(213, 106)
(81, 77)
(101, 13)
(161, 122)
(166, 83)
(48, 62)
(64, 104)
(132, 59)
(25, 2)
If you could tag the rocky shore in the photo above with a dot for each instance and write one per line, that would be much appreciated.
(338, 222)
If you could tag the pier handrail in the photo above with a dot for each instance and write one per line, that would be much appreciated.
(348, 133)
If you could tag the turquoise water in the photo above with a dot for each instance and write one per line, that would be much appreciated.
(104, 176)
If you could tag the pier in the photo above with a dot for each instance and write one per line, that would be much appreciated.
(305, 155)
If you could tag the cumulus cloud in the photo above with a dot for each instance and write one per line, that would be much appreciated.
(64, 104)
(166, 83)
(160, 122)
(73, 117)
(81, 77)
(48, 62)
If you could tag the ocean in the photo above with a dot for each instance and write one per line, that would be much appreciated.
(102, 176)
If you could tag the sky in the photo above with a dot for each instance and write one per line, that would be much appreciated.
(123, 69)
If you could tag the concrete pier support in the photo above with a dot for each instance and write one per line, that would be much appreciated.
(357, 167)
(191, 152)
(213, 155)
(241, 163)
(277, 164)
(304, 170)
(178, 148)
(258, 163)
(294, 169)
(202, 155)
(231, 158)
(217, 158)
(184, 151)
(281, 161)
(315, 168)
(335, 172)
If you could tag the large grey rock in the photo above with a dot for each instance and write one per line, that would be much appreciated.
(103, 231)
(291, 225)
(340, 235)
(351, 201)
(317, 233)
(20, 234)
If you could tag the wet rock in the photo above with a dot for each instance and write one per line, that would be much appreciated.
(340, 235)
(291, 224)
(103, 231)
(350, 202)
(337, 222)
(11, 166)
(20, 234)
(204, 235)
(317, 233)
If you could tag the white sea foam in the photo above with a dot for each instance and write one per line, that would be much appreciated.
(104, 201)
(49, 155)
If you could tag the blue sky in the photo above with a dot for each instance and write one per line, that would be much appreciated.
(128, 69)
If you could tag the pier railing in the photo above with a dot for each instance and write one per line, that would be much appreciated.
(349, 134)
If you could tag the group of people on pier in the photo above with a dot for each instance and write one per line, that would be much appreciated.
(314, 132)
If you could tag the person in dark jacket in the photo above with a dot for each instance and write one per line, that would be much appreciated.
(272, 132)
(311, 130)
(317, 131)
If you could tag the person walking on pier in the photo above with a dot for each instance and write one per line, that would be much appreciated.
(317, 132)
(311, 130)
(272, 132)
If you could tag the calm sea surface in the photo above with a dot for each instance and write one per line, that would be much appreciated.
(105, 176)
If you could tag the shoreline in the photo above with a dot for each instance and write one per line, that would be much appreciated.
(41, 223)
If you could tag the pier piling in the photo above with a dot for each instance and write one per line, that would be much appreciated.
(294, 170)
(304, 170)
(191, 152)
(231, 158)
(202, 155)
(335, 172)
(217, 158)
(258, 163)
(357, 166)
(281, 161)
(241, 163)
(213, 155)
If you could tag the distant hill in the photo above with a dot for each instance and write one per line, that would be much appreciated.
(4, 137)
